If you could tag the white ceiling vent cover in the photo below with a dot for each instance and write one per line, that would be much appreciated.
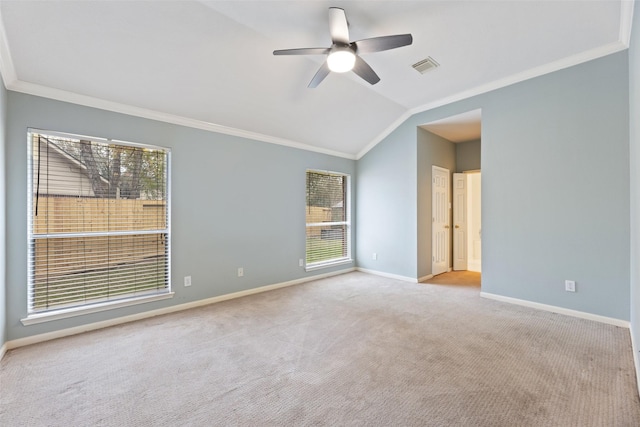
(425, 65)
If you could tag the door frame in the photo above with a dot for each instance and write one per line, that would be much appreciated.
(474, 264)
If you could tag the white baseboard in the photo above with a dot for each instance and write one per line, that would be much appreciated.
(34, 339)
(388, 275)
(560, 310)
(636, 358)
(425, 278)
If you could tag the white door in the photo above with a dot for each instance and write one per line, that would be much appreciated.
(459, 221)
(474, 222)
(440, 220)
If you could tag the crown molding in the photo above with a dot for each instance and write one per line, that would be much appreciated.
(626, 20)
(393, 126)
(11, 82)
(89, 101)
(551, 67)
(7, 68)
(624, 39)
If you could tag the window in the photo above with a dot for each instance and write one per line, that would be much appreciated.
(328, 219)
(98, 222)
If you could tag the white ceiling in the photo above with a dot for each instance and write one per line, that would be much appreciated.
(209, 64)
(459, 128)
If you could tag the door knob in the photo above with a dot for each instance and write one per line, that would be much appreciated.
(457, 226)
(446, 226)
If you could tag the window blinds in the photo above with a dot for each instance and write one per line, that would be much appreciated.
(327, 219)
(98, 221)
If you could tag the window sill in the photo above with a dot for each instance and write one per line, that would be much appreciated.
(64, 313)
(326, 264)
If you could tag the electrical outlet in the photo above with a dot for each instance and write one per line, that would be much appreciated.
(187, 280)
(569, 285)
(300, 262)
(240, 271)
(374, 256)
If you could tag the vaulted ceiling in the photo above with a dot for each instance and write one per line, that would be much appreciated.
(209, 64)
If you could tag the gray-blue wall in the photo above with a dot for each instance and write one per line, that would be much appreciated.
(634, 147)
(3, 224)
(387, 205)
(555, 189)
(468, 155)
(555, 185)
(235, 203)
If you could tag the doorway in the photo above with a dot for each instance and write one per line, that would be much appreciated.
(454, 143)
(467, 221)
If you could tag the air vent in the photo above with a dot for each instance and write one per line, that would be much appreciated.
(425, 65)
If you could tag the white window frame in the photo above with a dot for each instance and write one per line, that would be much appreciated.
(347, 223)
(35, 317)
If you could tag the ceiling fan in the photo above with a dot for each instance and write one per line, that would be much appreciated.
(343, 55)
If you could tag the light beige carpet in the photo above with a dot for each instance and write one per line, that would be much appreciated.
(354, 349)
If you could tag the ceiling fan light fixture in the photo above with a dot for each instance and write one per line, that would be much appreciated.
(343, 56)
(341, 60)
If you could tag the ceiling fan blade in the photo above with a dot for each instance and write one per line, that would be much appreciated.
(338, 26)
(377, 44)
(303, 51)
(365, 71)
(322, 72)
